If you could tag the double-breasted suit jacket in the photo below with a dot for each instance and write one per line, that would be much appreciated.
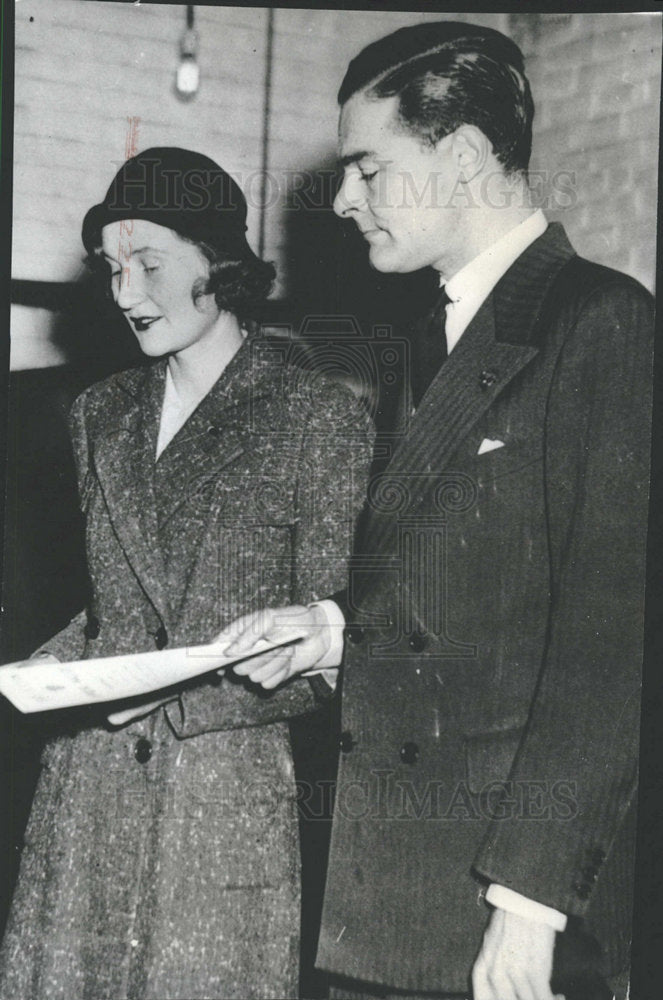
(491, 697)
(161, 859)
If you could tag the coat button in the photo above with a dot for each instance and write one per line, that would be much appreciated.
(417, 642)
(347, 742)
(92, 628)
(355, 634)
(160, 637)
(409, 753)
(214, 431)
(142, 750)
(487, 378)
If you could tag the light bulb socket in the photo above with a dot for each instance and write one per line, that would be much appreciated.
(189, 43)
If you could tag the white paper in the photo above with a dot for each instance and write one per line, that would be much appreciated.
(41, 686)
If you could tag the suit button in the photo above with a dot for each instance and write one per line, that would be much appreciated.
(214, 431)
(487, 378)
(417, 643)
(143, 750)
(92, 628)
(355, 634)
(160, 637)
(409, 753)
(582, 890)
(347, 742)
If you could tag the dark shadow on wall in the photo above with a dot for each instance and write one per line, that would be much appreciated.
(44, 576)
(337, 299)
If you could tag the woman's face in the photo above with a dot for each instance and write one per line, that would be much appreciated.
(153, 274)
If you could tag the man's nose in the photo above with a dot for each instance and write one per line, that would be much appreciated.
(127, 290)
(350, 197)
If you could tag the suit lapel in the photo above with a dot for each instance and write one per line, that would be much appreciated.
(124, 462)
(500, 341)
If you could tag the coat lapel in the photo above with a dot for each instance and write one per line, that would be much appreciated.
(216, 434)
(500, 341)
(124, 463)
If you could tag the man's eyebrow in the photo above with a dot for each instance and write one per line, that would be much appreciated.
(345, 161)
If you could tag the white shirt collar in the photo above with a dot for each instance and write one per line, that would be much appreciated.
(471, 286)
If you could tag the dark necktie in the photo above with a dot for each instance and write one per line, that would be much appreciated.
(430, 349)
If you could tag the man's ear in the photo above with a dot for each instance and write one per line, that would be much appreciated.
(470, 150)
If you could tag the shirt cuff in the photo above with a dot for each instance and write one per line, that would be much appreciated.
(334, 654)
(523, 906)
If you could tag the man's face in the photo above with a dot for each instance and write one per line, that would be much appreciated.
(402, 194)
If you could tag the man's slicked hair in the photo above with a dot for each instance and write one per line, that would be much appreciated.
(446, 74)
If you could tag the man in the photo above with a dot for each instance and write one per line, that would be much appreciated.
(485, 800)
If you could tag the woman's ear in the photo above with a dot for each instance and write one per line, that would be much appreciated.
(205, 301)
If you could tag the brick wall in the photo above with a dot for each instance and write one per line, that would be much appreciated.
(596, 82)
(84, 69)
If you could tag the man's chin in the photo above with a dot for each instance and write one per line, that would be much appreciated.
(387, 262)
(381, 259)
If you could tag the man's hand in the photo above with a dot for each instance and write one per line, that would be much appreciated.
(515, 961)
(278, 665)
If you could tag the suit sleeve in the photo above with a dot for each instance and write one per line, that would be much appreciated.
(69, 642)
(332, 466)
(580, 747)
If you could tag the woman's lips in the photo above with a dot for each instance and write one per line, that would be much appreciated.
(143, 322)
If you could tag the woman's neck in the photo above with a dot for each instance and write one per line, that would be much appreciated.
(196, 369)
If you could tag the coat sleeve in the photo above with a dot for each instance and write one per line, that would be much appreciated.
(333, 460)
(69, 642)
(580, 747)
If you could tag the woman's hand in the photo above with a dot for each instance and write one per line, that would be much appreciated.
(278, 665)
(137, 712)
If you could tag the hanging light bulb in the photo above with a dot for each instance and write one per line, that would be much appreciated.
(188, 72)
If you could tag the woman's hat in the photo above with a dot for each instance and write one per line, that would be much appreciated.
(177, 188)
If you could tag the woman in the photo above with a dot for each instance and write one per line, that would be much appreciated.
(161, 855)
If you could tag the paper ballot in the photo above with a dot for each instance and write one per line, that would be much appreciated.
(41, 686)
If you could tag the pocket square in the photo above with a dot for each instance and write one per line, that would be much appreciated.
(488, 444)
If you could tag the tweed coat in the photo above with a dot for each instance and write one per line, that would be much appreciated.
(161, 859)
(491, 697)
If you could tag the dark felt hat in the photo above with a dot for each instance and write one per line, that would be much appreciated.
(179, 189)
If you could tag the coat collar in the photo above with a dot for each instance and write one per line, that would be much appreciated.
(218, 431)
(124, 443)
(140, 492)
